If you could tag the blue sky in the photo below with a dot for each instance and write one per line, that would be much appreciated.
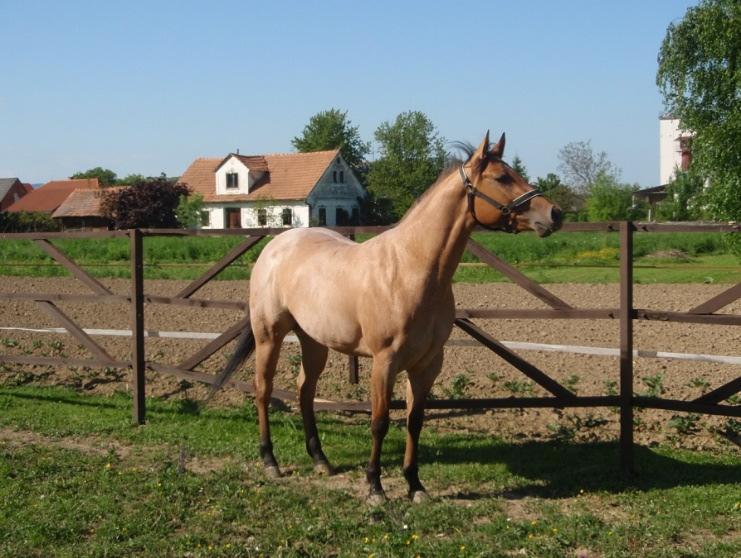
(145, 87)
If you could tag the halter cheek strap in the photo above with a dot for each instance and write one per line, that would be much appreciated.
(508, 211)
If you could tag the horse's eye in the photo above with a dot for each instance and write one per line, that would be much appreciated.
(504, 179)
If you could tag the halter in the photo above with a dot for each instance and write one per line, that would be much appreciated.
(508, 211)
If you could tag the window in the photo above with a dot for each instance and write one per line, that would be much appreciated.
(232, 180)
(355, 219)
(342, 177)
(287, 217)
(334, 176)
(262, 217)
(205, 218)
(322, 216)
(341, 217)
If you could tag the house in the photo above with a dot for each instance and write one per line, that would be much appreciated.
(276, 190)
(82, 211)
(11, 190)
(51, 195)
(675, 148)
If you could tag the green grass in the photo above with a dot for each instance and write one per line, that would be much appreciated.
(548, 499)
(563, 257)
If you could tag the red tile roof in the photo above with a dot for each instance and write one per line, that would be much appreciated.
(50, 196)
(290, 176)
(83, 202)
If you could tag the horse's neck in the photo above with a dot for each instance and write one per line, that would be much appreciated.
(435, 231)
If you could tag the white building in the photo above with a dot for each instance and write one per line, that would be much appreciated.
(277, 190)
(674, 149)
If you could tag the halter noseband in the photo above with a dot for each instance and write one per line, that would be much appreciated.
(508, 211)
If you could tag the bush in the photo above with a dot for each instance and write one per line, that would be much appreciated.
(27, 221)
(611, 201)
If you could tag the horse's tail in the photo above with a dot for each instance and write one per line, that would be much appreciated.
(245, 346)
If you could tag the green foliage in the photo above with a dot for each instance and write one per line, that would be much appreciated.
(331, 129)
(684, 200)
(700, 79)
(519, 166)
(148, 203)
(685, 424)
(458, 386)
(27, 221)
(188, 211)
(130, 179)
(609, 200)
(655, 385)
(106, 177)
(412, 154)
(562, 195)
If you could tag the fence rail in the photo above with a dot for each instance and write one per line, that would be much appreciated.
(560, 396)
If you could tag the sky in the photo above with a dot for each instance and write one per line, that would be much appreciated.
(147, 86)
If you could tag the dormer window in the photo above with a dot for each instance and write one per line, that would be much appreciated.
(232, 180)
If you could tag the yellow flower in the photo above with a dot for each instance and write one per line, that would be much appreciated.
(107, 465)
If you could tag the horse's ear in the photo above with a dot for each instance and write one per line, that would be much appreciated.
(482, 152)
(498, 149)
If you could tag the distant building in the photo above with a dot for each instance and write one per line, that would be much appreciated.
(675, 149)
(12, 190)
(277, 190)
(51, 195)
(82, 211)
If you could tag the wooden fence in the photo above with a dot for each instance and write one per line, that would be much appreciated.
(559, 395)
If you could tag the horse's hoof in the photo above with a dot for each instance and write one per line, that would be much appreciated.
(323, 468)
(419, 497)
(273, 472)
(377, 498)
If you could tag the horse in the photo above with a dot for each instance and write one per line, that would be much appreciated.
(389, 298)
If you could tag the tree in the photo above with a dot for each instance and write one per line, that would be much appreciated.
(188, 211)
(581, 166)
(611, 201)
(700, 80)
(412, 156)
(331, 129)
(559, 193)
(131, 179)
(519, 166)
(106, 177)
(148, 203)
(684, 200)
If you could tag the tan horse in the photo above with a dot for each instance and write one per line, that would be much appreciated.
(389, 298)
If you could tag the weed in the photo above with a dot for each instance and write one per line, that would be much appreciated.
(37, 344)
(699, 383)
(734, 399)
(494, 377)
(8, 342)
(518, 388)
(458, 386)
(294, 360)
(685, 424)
(655, 385)
(57, 346)
(572, 382)
(611, 388)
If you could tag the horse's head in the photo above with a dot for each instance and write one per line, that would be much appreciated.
(499, 198)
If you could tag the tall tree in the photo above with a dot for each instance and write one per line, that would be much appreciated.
(699, 77)
(610, 200)
(106, 177)
(519, 166)
(559, 193)
(581, 166)
(332, 129)
(412, 154)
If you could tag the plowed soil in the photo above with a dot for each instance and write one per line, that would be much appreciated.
(468, 371)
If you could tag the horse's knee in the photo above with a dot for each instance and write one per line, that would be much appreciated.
(380, 426)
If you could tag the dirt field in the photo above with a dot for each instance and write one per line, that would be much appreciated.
(472, 372)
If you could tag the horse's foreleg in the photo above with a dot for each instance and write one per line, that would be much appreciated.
(266, 359)
(313, 360)
(382, 385)
(419, 384)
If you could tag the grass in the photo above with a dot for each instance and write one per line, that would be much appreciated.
(69, 489)
(563, 257)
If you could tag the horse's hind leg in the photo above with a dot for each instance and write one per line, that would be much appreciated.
(267, 350)
(313, 360)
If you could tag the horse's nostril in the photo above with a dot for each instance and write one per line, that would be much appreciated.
(556, 215)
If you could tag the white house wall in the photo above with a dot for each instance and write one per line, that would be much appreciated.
(248, 214)
(670, 152)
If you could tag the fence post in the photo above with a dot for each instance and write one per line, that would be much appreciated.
(137, 327)
(626, 347)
